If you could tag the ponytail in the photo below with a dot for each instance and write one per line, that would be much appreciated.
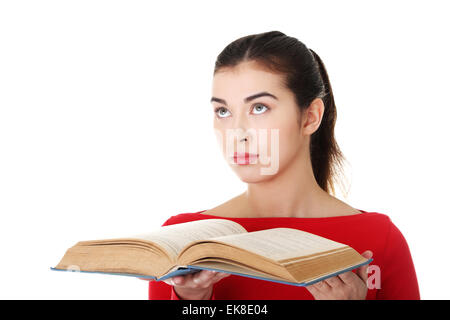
(326, 156)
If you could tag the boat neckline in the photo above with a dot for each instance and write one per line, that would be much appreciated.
(350, 216)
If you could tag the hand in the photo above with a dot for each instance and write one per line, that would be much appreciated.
(195, 286)
(345, 286)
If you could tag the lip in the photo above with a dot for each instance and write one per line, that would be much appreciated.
(244, 157)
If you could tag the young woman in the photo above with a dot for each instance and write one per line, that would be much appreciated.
(275, 93)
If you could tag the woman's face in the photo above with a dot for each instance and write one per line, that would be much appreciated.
(270, 123)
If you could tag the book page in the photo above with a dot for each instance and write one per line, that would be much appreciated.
(281, 243)
(174, 237)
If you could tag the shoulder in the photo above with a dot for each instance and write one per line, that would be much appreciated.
(369, 226)
(382, 227)
(384, 221)
(395, 238)
(378, 226)
(376, 220)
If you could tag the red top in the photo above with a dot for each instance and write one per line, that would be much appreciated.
(391, 274)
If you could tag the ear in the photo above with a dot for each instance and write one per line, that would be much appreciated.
(312, 116)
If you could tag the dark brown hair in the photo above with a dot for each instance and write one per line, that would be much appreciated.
(305, 75)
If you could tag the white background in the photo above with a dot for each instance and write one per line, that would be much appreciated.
(106, 126)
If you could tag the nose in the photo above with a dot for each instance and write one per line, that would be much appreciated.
(242, 133)
(244, 136)
(240, 125)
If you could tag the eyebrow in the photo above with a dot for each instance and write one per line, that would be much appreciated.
(248, 99)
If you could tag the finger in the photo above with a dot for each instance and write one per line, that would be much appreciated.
(204, 277)
(367, 254)
(197, 277)
(362, 271)
(177, 280)
(222, 274)
(312, 289)
(334, 282)
(219, 276)
(348, 278)
(168, 281)
(317, 289)
(185, 280)
(322, 285)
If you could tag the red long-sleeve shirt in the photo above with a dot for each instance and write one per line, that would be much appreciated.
(392, 274)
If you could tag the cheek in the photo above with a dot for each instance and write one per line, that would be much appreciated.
(219, 133)
(288, 141)
(289, 144)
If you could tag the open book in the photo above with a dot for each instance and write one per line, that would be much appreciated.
(283, 255)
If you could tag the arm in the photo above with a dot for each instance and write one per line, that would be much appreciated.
(398, 275)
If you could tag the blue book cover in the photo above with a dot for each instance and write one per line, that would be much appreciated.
(194, 269)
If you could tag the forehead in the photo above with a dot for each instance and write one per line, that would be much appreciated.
(245, 79)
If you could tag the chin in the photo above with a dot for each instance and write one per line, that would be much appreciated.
(251, 174)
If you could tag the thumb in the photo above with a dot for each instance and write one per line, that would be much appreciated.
(362, 271)
(367, 254)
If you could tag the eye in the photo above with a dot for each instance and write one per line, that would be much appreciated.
(260, 107)
(218, 112)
